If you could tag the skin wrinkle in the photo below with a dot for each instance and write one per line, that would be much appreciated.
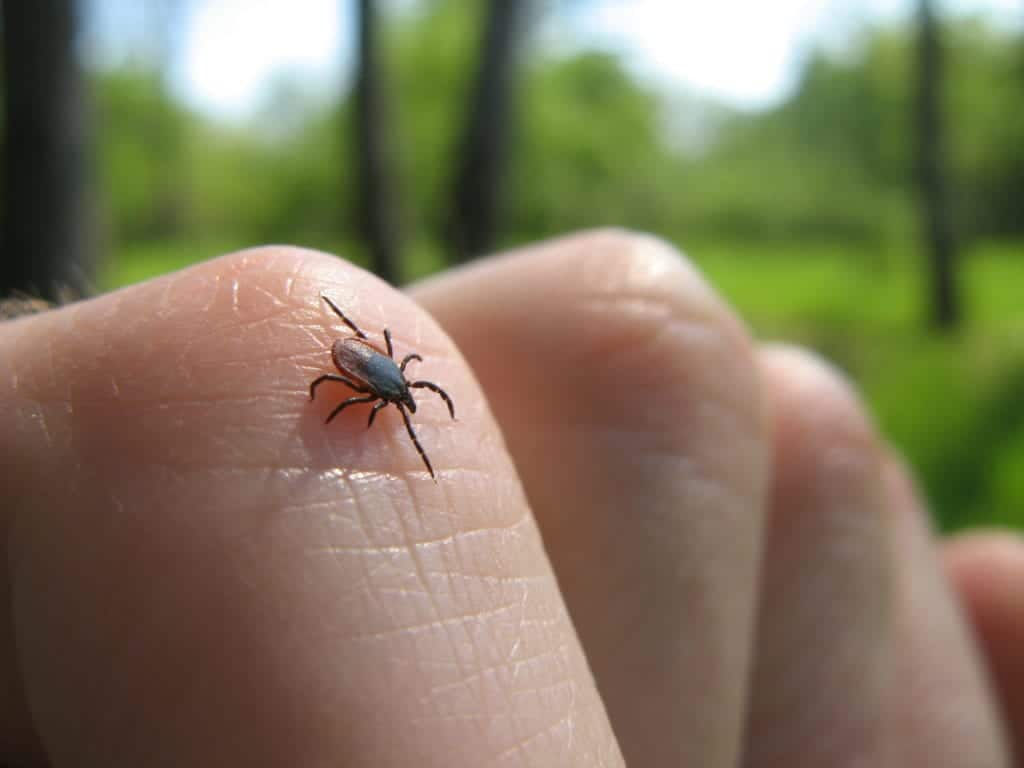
(502, 662)
(452, 538)
(441, 622)
(365, 566)
(448, 626)
(523, 745)
(491, 641)
(414, 550)
(566, 679)
(464, 679)
(366, 528)
(488, 678)
(483, 673)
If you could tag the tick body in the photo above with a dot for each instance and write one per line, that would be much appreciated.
(373, 373)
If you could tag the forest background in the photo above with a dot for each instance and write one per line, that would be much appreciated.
(810, 215)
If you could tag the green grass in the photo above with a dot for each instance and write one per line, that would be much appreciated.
(954, 404)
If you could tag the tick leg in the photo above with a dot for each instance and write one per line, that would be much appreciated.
(434, 388)
(373, 413)
(344, 319)
(407, 359)
(387, 338)
(416, 441)
(332, 377)
(350, 401)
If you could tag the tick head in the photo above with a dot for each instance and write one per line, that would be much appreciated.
(408, 402)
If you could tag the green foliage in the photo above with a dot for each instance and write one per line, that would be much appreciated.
(590, 150)
(954, 406)
(432, 55)
(143, 144)
(272, 190)
(592, 146)
(838, 155)
(986, 108)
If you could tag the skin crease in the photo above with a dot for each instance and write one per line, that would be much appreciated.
(201, 573)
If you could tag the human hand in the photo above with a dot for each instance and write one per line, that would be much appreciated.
(202, 573)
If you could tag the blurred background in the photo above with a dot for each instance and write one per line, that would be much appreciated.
(849, 173)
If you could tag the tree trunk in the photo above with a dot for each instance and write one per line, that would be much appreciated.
(936, 214)
(481, 161)
(378, 216)
(45, 217)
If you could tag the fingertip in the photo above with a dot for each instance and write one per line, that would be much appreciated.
(249, 585)
(991, 557)
(824, 438)
(987, 570)
(817, 392)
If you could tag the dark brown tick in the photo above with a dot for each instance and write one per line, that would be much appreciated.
(367, 369)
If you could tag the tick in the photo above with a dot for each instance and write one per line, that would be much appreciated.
(367, 369)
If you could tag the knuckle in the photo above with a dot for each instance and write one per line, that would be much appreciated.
(639, 267)
(671, 327)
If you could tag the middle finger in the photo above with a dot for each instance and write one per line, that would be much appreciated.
(628, 395)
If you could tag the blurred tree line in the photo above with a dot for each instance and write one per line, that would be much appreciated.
(591, 145)
(795, 211)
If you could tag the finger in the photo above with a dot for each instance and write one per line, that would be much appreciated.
(941, 710)
(629, 398)
(987, 570)
(203, 573)
(824, 630)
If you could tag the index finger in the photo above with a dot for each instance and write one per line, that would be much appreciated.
(203, 573)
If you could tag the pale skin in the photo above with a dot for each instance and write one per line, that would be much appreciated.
(652, 538)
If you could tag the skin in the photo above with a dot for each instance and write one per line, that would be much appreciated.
(652, 539)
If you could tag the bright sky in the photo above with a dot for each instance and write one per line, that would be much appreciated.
(233, 48)
(745, 52)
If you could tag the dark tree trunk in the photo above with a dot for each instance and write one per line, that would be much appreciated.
(378, 216)
(481, 160)
(45, 216)
(933, 189)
